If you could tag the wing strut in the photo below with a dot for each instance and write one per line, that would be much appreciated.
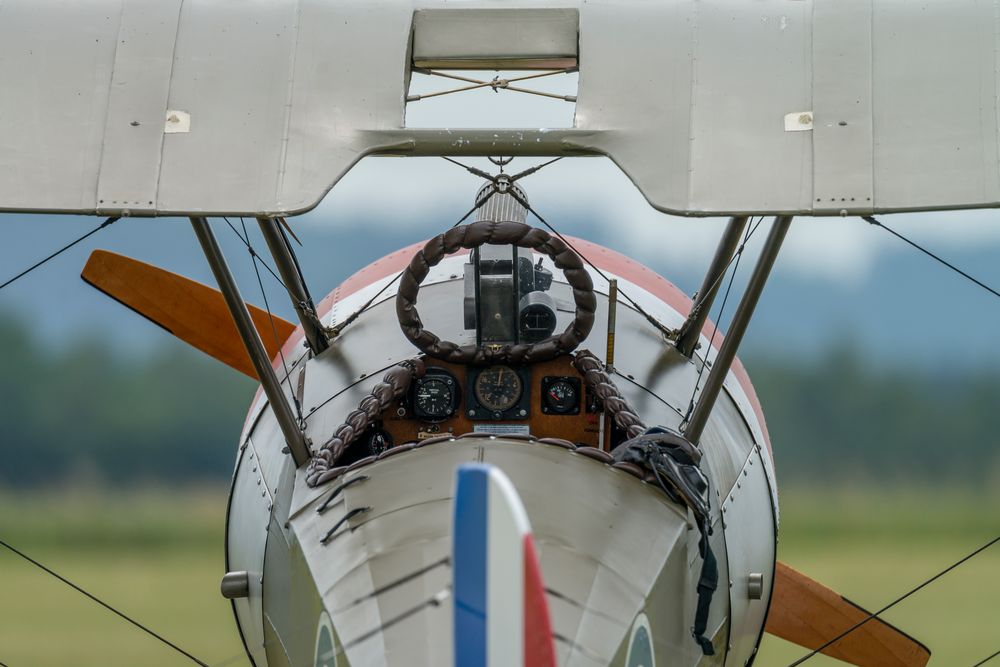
(294, 283)
(294, 437)
(724, 359)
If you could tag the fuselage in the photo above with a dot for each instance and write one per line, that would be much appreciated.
(365, 581)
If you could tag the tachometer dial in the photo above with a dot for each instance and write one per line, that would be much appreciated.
(498, 388)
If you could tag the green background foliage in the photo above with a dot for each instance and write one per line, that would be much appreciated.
(84, 413)
(158, 556)
(115, 472)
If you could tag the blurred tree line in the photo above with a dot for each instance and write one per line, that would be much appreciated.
(85, 413)
(847, 419)
(82, 413)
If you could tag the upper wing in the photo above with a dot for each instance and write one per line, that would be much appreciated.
(155, 108)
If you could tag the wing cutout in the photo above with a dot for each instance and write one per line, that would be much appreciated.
(189, 310)
(809, 614)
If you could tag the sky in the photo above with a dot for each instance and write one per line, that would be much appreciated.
(837, 280)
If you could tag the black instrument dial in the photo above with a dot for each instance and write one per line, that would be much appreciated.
(561, 395)
(498, 388)
(434, 396)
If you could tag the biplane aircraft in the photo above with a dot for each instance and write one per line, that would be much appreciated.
(482, 449)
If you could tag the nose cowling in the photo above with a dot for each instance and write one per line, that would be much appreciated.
(613, 551)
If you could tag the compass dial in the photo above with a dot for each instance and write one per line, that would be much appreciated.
(498, 388)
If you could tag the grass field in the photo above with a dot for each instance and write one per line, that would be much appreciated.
(158, 556)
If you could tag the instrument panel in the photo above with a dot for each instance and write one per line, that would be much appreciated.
(544, 400)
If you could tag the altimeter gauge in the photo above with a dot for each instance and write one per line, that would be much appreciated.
(435, 396)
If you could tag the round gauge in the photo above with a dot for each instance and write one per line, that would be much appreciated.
(498, 388)
(434, 397)
(378, 442)
(561, 397)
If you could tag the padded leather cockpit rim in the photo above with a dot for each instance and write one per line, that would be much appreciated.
(501, 233)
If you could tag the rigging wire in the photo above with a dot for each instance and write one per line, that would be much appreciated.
(104, 604)
(666, 331)
(497, 84)
(288, 228)
(106, 223)
(873, 221)
(983, 662)
(253, 253)
(283, 228)
(336, 330)
(722, 308)
(892, 604)
(490, 177)
(270, 317)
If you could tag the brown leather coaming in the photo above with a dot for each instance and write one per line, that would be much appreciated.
(499, 233)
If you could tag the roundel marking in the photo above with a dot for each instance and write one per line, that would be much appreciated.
(640, 644)
(326, 655)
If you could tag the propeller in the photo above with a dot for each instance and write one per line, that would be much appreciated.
(189, 310)
(807, 613)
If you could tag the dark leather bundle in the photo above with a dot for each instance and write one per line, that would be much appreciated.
(674, 462)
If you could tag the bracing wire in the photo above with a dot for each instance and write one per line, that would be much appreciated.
(339, 328)
(667, 332)
(253, 253)
(489, 177)
(106, 223)
(871, 220)
(892, 604)
(274, 330)
(987, 659)
(104, 604)
(282, 228)
(497, 84)
(469, 168)
(734, 261)
(734, 258)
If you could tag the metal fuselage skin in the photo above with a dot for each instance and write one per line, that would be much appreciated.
(619, 559)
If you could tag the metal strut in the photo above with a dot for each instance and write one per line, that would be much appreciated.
(294, 437)
(301, 301)
(723, 360)
(690, 331)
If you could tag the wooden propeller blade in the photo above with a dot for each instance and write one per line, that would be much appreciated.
(809, 614)
(191, 311)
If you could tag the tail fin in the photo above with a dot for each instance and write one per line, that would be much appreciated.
(809, 614)
(501, 613)
(193, 312)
